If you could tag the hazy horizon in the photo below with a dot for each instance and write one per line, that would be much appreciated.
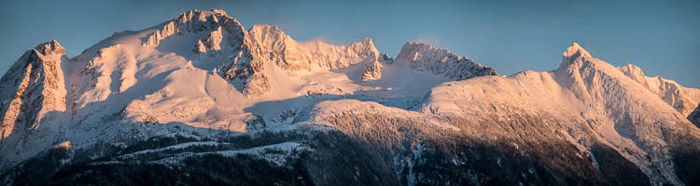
(659, 36)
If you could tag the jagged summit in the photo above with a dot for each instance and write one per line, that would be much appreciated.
(421, 45)
(579, 68)
(219, 11)
(425, 57)
(194, 21)
(290, 54)
(50, 48)
(368, 41)
(32, 88)
(201, 15)
(575, 50)
(575, 56)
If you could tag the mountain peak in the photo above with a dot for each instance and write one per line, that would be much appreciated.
(31, 88)
(50, 48)
(417, 44)
(574, 56)
(219, 11)
(425, 57)
(203, 13)
(368, 41)
(575, 50)
(194, 21)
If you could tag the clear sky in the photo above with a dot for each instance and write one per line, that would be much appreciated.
(663, 37)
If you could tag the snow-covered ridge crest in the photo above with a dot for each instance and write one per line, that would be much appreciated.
(293, 55)
(266, 51)
(51, 48)
(592, 100)
(577, 62)
(193, 21)
(424, 57)
(575, 50)
(683, 99)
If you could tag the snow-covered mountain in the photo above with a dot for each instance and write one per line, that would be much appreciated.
(254, 106)
(586, 102)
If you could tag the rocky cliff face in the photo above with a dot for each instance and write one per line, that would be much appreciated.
(33, 98)
(195, 21)
(266, 46)
(33, 87)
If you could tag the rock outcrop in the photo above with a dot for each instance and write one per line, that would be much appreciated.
(372, 71)
(694, 116)
(32, 87)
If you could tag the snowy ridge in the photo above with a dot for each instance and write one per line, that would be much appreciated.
(194, 21)
(292, 55)
(268, 49)
(683, 99)
(583, 90)
(428, 58)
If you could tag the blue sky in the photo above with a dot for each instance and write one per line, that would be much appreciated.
(663, 37)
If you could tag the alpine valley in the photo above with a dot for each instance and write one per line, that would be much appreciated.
(201, 99)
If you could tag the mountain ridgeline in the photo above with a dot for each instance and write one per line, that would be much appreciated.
(201, 99)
